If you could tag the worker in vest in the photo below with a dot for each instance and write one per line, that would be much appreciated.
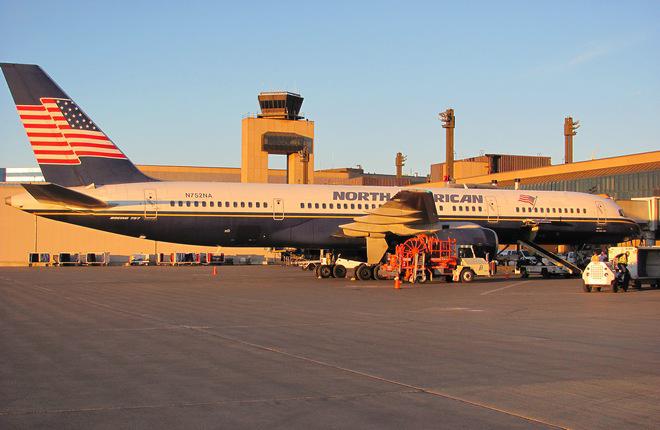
(620, 261)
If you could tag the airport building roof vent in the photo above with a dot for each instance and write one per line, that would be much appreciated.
(280, 104)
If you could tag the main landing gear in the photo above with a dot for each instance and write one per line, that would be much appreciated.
(362, 271)
(337, 267)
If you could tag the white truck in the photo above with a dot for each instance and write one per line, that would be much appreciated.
(469, 265)
(643, 263)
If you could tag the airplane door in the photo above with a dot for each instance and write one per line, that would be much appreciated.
(278, 209)
(150, 205)
(601, 217)
(492, 211)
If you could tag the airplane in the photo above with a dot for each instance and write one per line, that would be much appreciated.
(92, 183)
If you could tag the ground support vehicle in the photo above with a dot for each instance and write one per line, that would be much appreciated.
(470, 265)
(544, 268)
(422, 257)
(643, 263)
(599, 275)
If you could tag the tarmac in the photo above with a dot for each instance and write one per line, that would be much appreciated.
(273, 347)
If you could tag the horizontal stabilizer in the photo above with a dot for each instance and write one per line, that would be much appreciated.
(55, 194)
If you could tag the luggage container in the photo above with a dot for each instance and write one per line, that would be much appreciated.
(184, 259)
(213, 259)
(38, 259)
(96, 259)
(68, 259)
(165, 259)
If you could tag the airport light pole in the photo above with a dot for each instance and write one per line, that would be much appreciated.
(570, 127)
(399, 161)
(448, 123)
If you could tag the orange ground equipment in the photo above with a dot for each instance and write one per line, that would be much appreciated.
(420, 257)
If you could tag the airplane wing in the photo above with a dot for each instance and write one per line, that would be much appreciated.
(55, 194)
(408, 213)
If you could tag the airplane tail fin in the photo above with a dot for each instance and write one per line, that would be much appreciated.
(69, 147)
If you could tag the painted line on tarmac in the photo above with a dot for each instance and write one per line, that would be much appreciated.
(504, 288)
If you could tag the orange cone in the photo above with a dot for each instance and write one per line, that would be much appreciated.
(215, 271)
(397, 283)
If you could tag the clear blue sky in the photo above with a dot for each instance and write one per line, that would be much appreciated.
(170, 82)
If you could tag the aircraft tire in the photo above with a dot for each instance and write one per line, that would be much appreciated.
(325, 271)
(523, 273)
(363, 272)
(375, 273)
(339, 271)
(615, 287)
(586, 288)
(317, 271)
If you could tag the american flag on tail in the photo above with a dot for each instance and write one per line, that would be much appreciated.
(525, 198)
(60, 133)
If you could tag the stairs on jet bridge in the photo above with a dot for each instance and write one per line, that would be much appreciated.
(572, 268)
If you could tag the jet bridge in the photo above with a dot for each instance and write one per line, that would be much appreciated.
(572, 268)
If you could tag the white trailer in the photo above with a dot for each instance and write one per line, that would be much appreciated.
(643, 263)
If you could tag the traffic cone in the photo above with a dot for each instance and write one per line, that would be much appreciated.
(397, 283)
(215, 270)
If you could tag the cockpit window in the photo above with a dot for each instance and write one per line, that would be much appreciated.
(621, 212)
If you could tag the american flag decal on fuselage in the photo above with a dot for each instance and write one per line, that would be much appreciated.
(527, 199)
(61, 133)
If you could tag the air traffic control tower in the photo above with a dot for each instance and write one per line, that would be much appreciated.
(278, 129)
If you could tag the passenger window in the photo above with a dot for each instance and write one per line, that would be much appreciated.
(259, 204)
(309, 205)
(352, 205)
(196, 204)
(541, 210)
(188, 203)
(302, 205)
(211, 204)
(180, 203)
(265, 204)
(172, 203)
(316, 205)
(536, 209)
(572, 210)
(235, 204)
(323, 205)
(584, 211)
(242, 204)
(480, 209)
(249, 204)
(345, 205)
(203, 204)
(332, 206)
(517, 209)
(441, 207)
(359, 205)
